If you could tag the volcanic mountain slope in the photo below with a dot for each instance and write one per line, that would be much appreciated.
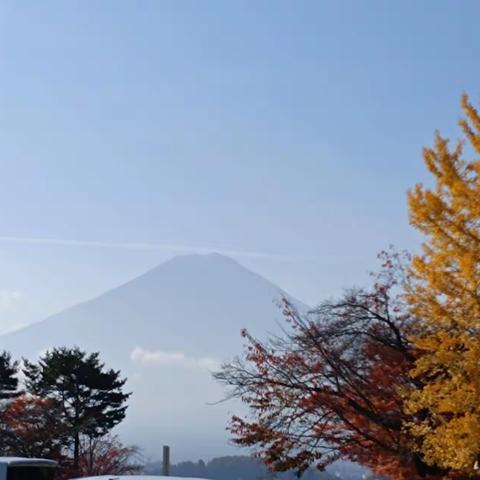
(194, 303)
(167, 330)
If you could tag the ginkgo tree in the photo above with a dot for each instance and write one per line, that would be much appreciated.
(444, 291)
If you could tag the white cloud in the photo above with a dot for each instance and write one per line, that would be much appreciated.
(159, 358)
(9, 299)
(152, 246)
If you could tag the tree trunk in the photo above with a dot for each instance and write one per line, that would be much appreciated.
(76, 451)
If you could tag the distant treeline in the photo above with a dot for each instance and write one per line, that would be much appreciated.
(231, 468)
(246, 468)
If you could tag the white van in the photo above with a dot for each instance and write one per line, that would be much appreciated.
(18, 468)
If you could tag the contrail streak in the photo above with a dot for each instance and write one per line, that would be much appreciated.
(150, 246)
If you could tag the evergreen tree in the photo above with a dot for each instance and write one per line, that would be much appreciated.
(91, 398)
(445, 293)
(8, 377)
(8, 391)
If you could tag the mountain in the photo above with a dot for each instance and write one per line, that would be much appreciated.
(166, 330)
(193, 303)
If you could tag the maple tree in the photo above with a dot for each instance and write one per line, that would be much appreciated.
(444, 290)
(107, 456)
(31, 427)
(331, 386)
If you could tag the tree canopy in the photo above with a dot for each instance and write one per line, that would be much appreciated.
(32, 427)
(9, 384)
(445, 292)
(387, 376)
(91, 398)
(331, 385)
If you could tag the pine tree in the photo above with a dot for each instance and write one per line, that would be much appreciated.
(8, 377)
(445, 293)
(91, 398)
(9, 391)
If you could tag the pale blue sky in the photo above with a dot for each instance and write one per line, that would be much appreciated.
(290, 128)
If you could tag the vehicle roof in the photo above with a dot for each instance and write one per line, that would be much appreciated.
(23, 461)
(138, 477)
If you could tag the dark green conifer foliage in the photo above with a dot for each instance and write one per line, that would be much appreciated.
(91, 398)
(8, 377)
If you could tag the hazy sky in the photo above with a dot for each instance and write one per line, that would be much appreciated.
(287, 128)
